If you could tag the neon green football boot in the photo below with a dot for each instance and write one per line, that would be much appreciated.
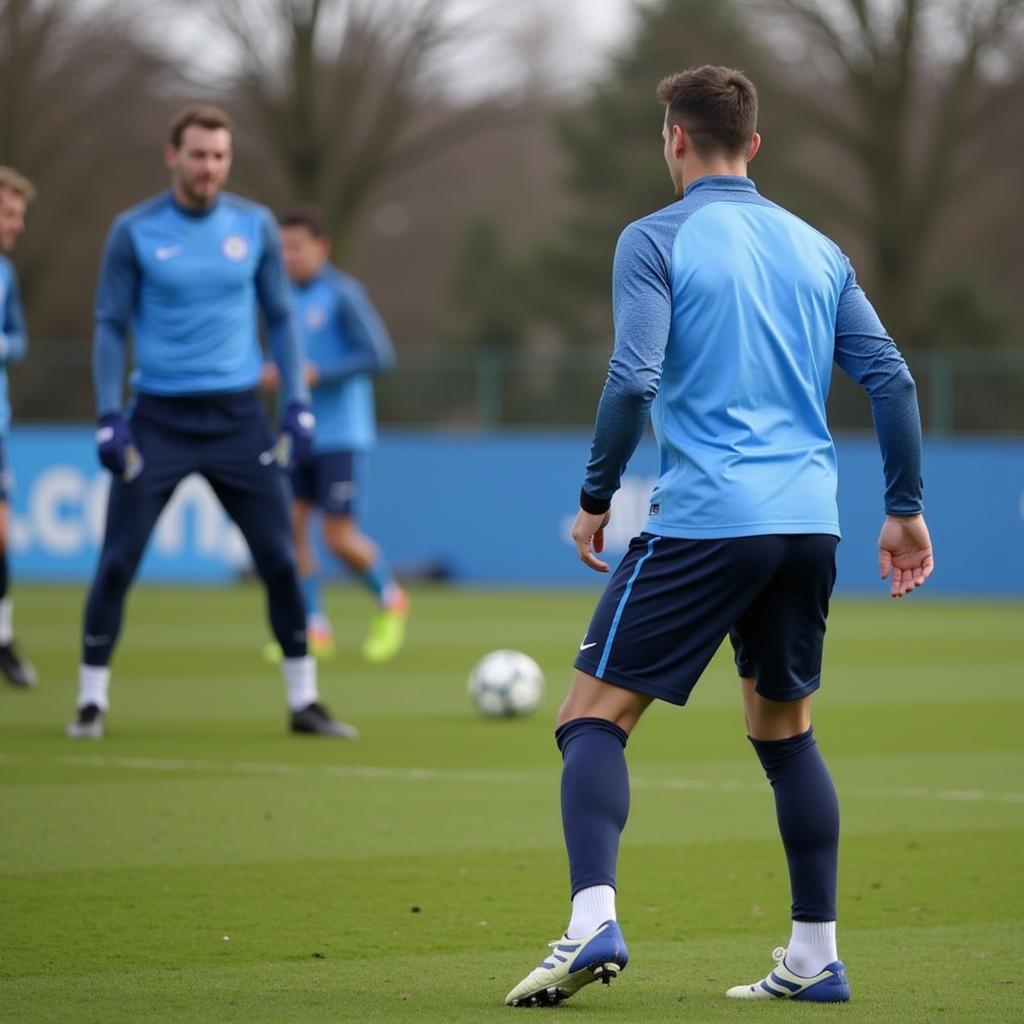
(387, 630)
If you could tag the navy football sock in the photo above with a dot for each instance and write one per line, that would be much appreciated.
(808, 814)
(595, 798)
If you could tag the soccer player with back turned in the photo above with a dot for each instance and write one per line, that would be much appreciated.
(729, 312)
(16, 192)
(186, 271)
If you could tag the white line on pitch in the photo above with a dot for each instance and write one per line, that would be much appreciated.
(371, 772)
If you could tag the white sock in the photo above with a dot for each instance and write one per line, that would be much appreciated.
(319, 622)
(591, 907)
(812, 947)
(299, 681)
(93, 683)
(6, 621)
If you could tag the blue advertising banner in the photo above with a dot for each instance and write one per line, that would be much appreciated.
(498, 509)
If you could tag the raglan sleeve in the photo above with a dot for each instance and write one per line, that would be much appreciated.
(115, 300)
(13, 331)
(642, 314)
(275, 300)
(866, 353)
(369, 348)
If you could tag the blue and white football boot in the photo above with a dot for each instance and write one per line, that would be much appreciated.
(570, 965)
(828, 986)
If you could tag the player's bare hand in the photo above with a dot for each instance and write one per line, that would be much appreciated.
(270, 377)
(905, 553)
(588, 534)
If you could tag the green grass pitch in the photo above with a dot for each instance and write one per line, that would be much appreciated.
(202, 865)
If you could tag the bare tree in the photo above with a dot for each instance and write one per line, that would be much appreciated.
(908, 93)
(341, 96)
(77, 97)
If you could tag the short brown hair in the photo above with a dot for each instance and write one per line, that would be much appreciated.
(11, 180)
(304, 215)
(205, 115)
(715, 106)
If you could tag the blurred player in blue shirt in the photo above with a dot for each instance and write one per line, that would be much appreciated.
(187, 272)
(345, 344)
(16, 192)
(729, 314)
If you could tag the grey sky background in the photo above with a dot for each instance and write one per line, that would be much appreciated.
(563, 43)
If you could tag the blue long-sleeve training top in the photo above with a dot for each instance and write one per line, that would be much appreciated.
(347, 341)
(13, 334)
(188, 284)
(729, 313)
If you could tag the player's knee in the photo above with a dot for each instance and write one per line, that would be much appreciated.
(780, 723)
(341, 547)
(116, 571)
(276, 565)
(590, 697)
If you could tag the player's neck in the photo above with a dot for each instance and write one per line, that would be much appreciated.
(307, 279)
(720, 167)
(190, 205)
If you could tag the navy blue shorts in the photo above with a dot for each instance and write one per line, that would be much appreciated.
(670, 603)
(328, 481)
(5, 476)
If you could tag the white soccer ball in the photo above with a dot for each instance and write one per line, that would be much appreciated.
(506, 683)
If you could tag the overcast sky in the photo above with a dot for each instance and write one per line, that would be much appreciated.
(568, 39)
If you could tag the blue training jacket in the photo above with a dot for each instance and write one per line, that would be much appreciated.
(347, 341)
(729, 312)
(13, 335)
(188, 284)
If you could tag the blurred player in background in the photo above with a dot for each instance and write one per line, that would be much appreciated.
(729, 312)
(185, 271)
(16, 192)
(345, 344)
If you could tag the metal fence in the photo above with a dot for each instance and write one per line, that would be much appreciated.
(961, 391)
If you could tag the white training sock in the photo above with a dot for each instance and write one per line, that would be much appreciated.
(591, 907)
(812, 947)
(299, 681)
(6, 621)
(93, 683)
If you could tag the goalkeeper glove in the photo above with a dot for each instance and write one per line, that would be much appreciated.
(116, 447)
(295, 440)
